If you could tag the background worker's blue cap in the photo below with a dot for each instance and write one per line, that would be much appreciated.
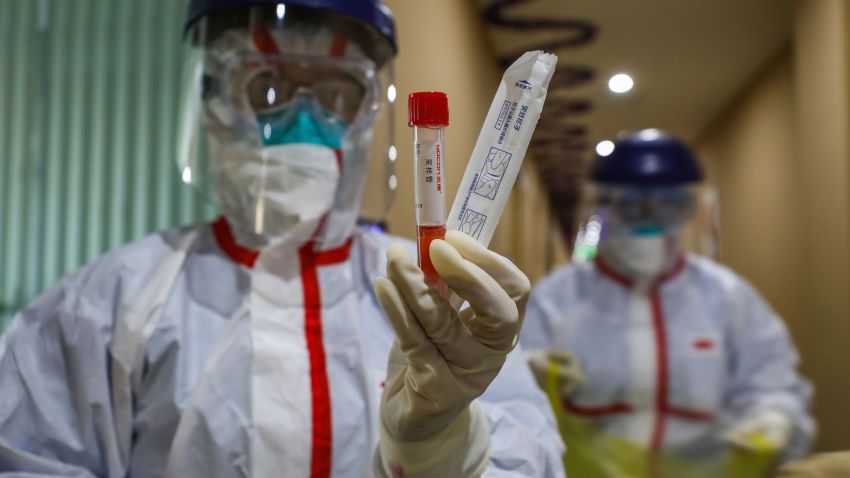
(647, 158)
(370, 12)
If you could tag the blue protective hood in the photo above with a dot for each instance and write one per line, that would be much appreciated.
(647, 158)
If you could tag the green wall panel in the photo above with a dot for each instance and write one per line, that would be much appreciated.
(88, 114)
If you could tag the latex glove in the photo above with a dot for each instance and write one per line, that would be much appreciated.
(568, 374)
(765, 431)
(443, 359)
(823, 465)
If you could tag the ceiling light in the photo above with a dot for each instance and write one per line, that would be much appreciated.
(620, 83)
(604, 148)
(650, 134)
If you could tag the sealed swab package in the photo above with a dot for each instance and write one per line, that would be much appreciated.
(501, 146)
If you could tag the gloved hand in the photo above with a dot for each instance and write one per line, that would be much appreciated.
(567, 370)
(443, 359)
(823, 465)
(767, 430)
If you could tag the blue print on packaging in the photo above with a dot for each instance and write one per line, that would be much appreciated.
(472, 223)
(503, 115)
(492, 173)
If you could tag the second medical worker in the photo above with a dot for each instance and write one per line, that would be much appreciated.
(658, 362)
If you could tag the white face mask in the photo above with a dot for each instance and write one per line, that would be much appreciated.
(276, 190)
(641, 255)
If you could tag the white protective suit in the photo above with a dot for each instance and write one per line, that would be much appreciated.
(671, 365)
(187, 351)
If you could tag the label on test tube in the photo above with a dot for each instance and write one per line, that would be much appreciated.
(428, 114)
(430, 202)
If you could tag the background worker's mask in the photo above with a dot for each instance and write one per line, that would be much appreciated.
(641, 252)
(278, 119)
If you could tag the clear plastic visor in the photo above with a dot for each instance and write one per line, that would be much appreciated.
(637, 207)
(300, 81)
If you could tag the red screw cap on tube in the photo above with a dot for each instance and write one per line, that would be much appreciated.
(428, 108)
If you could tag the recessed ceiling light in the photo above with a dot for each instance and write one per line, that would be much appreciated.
(604, 148)
(620, 83)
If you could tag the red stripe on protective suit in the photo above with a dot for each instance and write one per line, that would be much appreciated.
(612, 274)
(310, 261)
(263, 40)
(662, 372)
(339, 45)
(322, 439)
(676, 270)
(595, 412)
(628, 282)
(663, 408)
(225, 240)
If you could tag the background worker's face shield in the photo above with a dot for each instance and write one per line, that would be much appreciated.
(637, 208)
(641, 227)
(279, 106)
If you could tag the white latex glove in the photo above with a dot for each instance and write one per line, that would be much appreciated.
(568, 374)
(823, 465)
(766, 430)
(443, 359)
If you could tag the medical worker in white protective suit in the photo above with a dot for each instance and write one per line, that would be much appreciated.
(256, 345)
(662, 363)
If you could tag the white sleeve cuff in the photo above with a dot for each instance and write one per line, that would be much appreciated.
(462, 449)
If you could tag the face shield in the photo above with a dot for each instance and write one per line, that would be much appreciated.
(641, 226)
(381, 180)
(645, 209)
(276, 124)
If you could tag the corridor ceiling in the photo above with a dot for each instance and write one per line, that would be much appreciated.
(689, 60)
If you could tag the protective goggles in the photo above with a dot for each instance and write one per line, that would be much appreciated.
(263, 83)
(634, 206)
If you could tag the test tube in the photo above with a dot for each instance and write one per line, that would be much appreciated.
(428, 114)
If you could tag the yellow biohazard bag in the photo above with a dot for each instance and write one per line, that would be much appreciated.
(592, 453)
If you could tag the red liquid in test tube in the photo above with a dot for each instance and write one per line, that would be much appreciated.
(424, 236)
(428, 114)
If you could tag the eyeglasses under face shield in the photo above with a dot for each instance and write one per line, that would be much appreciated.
(344, 88)
(252, 91)
(647, 207)
(253, 85)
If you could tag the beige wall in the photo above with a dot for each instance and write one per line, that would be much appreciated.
(750, 158)
(780, 160)
(822, 60)
(443, 47)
